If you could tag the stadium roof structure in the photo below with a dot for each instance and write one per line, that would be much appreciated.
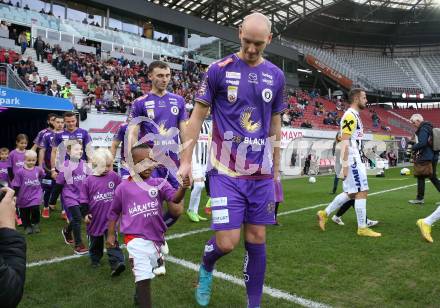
(340, 21)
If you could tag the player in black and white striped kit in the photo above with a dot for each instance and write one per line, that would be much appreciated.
(199, 163)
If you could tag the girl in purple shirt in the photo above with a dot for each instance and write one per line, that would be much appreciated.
(16, 157)
(27, 186)
(138, 205)
(69, 183)
(97, 196)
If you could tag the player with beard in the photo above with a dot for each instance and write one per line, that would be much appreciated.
(166, 116)
(355, 185)
(246, 94)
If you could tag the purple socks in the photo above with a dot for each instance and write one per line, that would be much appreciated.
(211, 255)
(253, 271)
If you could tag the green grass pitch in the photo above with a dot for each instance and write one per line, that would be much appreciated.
(335, 267)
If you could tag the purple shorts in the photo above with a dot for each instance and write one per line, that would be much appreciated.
(235, 202)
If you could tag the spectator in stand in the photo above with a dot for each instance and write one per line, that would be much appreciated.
(39, 46)
(66, 92)
(376, 120)
(108, 96)
(34, 78)
(392, 158)
(3, 25)
(82, 41)
(53, 91)
(85, 21)
(42, 11)
(26, 7)
(18, 4)
(306, 124)
(22, 41)
(286, 119)
(10, 3)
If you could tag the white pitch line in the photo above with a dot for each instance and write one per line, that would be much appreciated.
(180, 235)
(54, 260)
(276, 293)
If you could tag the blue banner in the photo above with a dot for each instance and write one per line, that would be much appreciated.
(11, 98)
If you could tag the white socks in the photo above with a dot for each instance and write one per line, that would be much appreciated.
(194, 200)
(433, 217)
(360, 206)
(337, 202)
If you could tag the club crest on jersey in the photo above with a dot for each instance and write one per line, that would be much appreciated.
(232, 94)
(175, 110)
(111, 184)
(153, 192)
(267, 95)
(271, 207)
(150, 113)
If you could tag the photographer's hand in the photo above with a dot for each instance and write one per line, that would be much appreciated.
(7, 209)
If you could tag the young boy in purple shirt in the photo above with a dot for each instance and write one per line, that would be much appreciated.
(4, 176)
(97, 196)
(27, 186)
(138, 205)
(69, 183)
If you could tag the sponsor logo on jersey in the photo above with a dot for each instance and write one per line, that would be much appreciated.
(162, 103)
(233, 75)
(220, 201)
(233, 82)
(149, 104)
(220, 216)
(253, 78)
(232, 94)
(267, 76)
(267, 81)
(247, 123)
(267, 95)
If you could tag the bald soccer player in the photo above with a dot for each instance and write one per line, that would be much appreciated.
(246, 96)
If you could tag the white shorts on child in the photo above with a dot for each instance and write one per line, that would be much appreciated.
(143, 255)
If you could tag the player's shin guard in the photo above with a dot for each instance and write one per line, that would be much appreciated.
(254, 270)
(337, 202)
(211, 255)
(431, 219)
(194, 200)
(170, 219)
(360, 205)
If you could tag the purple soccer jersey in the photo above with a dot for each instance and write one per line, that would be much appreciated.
(29, 182)
(16, 160)
(39, 138)
(4, 171)
(72, 178)
(47, 145)
(140, 210)
(242, 100)
(166, 113)
(98, 192)
(78, 134)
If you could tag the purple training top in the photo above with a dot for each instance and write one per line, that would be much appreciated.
(72, 178)
(166, 112)
(120, 136)
(4, 171)
(242, 100)
(29, 182)
(140, 210)
(39, 138)
(16, 160)
(78, 134)
(98, 193)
